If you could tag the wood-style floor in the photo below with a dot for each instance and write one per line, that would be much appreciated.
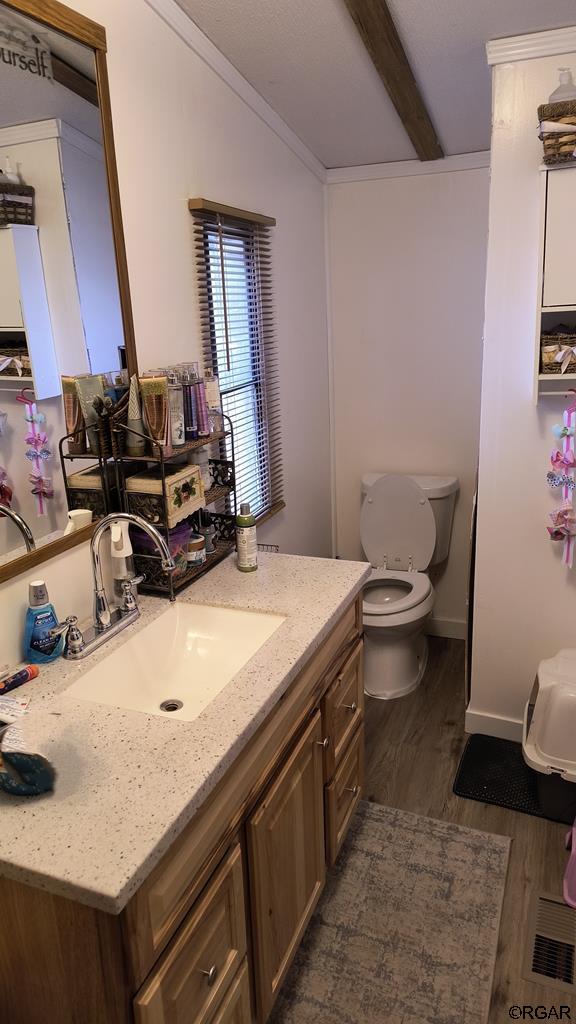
(413, 747)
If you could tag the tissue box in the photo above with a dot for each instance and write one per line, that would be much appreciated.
(184, 494)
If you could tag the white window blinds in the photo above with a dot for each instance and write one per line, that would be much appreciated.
(235, 282)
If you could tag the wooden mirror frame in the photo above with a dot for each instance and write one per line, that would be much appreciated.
(61, 18)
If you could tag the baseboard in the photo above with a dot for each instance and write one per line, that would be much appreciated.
(493, 725)
(455, 629)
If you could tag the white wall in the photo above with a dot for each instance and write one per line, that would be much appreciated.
(407, 269)
(180, 131)
(525, 606)
(68, 579)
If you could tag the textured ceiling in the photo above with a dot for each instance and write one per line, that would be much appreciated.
(306, 59)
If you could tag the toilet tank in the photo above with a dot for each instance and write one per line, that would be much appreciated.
(441, 492)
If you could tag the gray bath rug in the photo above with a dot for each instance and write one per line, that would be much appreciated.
(406, 929)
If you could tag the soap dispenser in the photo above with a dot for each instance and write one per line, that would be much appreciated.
(122, 558)
(566, 89)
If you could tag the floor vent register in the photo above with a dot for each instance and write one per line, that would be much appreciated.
(551, 944)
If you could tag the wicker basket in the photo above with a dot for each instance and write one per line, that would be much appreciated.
(559, 147)
(551, 345)
(16, 204)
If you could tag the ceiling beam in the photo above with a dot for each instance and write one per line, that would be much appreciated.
(72, 79)
(378, 31)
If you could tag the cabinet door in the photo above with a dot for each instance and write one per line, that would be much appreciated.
(286, 862)
(10, 309)
(559, 266)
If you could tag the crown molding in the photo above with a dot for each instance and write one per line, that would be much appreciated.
(50, 128)
(408, 168)
(194, 38)
(33, 131)
(535, 44)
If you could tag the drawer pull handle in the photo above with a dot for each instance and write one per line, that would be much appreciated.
(211, 975)
(352, 789)
(325, 743)
(350, 707)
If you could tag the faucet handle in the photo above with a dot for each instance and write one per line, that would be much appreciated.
(129, 602)
(74, 641)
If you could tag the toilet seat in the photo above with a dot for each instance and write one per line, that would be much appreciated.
(416, 587)
(397, 525)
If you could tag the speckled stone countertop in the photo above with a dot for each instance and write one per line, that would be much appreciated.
(128, 782)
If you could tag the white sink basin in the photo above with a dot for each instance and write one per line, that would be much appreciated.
(186, 656)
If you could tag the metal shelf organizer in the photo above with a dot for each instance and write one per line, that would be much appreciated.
(221, 497)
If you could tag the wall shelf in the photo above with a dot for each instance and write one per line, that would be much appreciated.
(556, 383)
(15, 383)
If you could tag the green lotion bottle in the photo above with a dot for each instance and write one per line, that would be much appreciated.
(246, 543)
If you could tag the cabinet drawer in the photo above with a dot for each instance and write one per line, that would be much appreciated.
(343, 795)
(235, 1008)
(342, 709)
(203, 957)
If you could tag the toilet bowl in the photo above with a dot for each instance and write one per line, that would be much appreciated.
(400, 536)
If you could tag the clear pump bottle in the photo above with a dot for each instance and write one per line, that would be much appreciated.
(566, 89)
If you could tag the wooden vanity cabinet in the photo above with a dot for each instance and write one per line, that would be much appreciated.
(210, 934)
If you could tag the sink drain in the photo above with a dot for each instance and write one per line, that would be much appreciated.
(171, 705)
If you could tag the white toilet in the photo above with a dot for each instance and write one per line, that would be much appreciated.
(405, 527)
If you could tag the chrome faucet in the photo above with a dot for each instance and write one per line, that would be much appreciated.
(21, 524)
(102, 614)
(108, 623)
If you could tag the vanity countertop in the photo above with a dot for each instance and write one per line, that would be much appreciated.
(128, 782)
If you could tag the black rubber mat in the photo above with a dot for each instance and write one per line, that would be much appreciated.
(493, 771)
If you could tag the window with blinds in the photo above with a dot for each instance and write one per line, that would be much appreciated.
(235, 282)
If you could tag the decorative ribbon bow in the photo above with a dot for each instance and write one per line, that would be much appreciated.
(39, 453)
(563, 521)
(563, 460)
(560, 432)
(5, 363)
(36, 440)
(560, 480)
(6, 491)
(34, 417)
(41, 486)
(564, 356)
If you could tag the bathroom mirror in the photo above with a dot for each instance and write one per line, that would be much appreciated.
(64, 296)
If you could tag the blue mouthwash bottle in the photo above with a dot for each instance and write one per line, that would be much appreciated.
(39, 646)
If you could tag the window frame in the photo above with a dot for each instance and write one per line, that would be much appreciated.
(262, 384)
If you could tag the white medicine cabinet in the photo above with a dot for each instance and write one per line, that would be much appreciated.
(24, 307)
(557, 284)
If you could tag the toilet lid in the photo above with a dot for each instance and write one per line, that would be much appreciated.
(397, 524)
